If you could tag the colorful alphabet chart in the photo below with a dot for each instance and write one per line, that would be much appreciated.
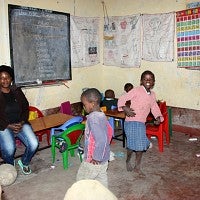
(188, 38)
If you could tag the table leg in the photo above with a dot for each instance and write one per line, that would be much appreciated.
(170, 120)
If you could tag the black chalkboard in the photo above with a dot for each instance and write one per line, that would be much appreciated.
(39, 45)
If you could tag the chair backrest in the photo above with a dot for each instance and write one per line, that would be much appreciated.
(71, 122)
(34, 113)
(73, 134)
(65, 108)
(163, 106)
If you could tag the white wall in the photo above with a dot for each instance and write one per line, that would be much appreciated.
(179, 87)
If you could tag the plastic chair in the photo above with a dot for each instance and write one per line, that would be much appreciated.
(114, 121)
(36, 113)
(65, 108)
(160, 130)
(71, 138)
(75, 120)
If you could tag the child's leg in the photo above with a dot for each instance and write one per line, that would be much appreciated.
(138, 160)
(102, 176)
(128, 164)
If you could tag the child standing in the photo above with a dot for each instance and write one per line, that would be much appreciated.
(143, 100)
(98, 134)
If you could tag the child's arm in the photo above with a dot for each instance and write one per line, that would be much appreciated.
(129, 111)
(99, 133)
(123, 99)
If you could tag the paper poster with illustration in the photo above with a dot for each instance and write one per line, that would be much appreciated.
(158, 37)
(84, 41)
(122, 40)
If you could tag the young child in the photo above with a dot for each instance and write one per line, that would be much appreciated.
(109, 99)
(98, 134)
(143, 100)
(127, 88)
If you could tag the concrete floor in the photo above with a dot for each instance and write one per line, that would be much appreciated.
(173, 174)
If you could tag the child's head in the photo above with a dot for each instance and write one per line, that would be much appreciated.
(109, 94)
(91, 99)
(147, 80)
(128, 87)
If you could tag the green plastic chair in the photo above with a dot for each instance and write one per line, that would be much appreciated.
(66, 142)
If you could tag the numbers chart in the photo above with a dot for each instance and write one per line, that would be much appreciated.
(188, 38)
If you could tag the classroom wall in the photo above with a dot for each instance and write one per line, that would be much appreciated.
(179, 87)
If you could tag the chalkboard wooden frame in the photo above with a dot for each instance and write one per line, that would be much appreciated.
(40, 48)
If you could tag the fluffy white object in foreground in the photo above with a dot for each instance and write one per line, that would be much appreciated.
(8, 174)
(89, 190)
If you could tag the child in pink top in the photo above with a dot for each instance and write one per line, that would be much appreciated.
(143, 100)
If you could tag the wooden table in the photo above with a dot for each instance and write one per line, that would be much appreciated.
(118, 115)
(49, 121)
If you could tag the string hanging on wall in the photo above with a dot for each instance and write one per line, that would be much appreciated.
(107, 35)
(105, 14)
(74, 7)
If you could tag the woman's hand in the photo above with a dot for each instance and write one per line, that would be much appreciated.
(129, 111)
(16, 127)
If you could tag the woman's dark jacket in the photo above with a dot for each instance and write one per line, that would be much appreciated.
(23, 105)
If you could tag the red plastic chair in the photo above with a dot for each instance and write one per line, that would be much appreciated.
(40, 134)
(163, 128)
(65, 108)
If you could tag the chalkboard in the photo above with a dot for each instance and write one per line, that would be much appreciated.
(39, 45)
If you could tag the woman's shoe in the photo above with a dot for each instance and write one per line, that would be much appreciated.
(25, 169)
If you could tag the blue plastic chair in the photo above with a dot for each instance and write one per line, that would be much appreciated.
(58, 130)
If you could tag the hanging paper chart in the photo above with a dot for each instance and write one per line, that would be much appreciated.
(188, 38)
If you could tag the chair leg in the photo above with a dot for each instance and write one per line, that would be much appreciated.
(53, 150)
(48, 138)
(149, 136)
(65, 159)
(72, 153)
(167, 136)
(40, 138)
(160, 143)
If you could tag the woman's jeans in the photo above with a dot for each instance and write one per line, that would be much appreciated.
(8, 145)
